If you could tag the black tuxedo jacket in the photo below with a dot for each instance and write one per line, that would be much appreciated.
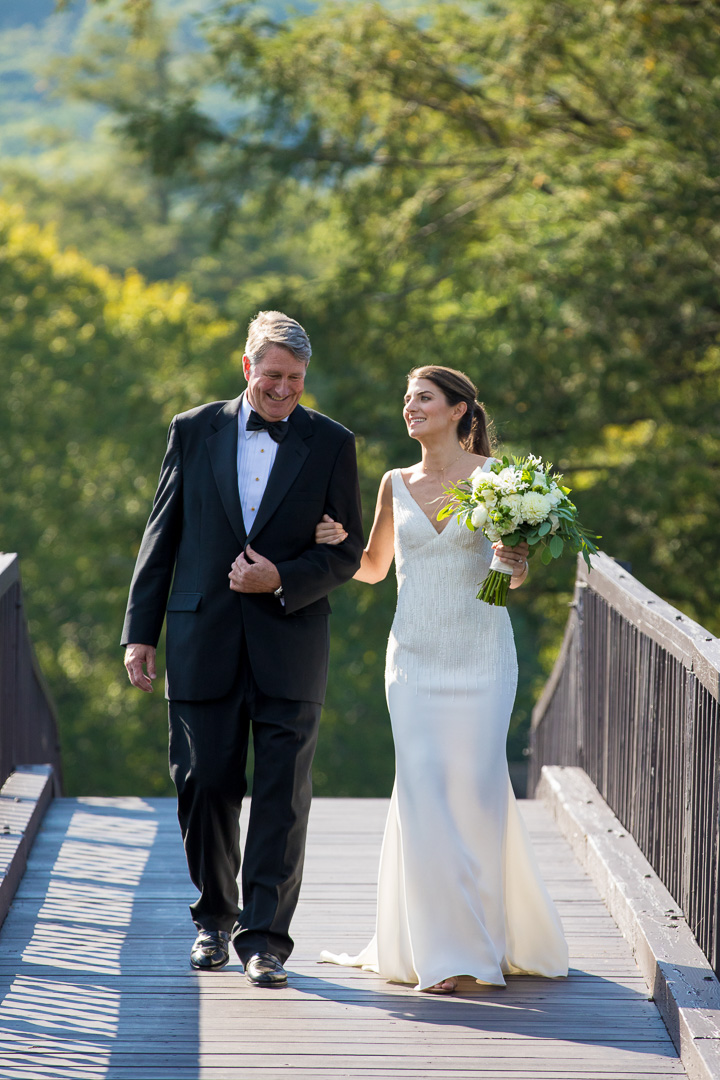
(195, 532)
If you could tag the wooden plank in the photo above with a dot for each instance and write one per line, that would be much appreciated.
(24, 799)
(111, 875)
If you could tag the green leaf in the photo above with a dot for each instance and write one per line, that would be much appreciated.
(556, 547)
(544, 528)
(546, 556)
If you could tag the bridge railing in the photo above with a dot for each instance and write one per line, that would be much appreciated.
(28, 723)
(633, 699)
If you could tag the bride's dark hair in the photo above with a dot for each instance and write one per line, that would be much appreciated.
(475, 430)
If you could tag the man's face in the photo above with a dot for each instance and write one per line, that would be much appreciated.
(275, 383)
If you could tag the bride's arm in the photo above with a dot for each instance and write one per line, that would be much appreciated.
(378, 555)
(518, 577)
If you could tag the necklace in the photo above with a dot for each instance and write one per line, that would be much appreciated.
(444, 468)
(429, 502)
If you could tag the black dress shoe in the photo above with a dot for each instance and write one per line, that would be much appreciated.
(264, 969)
(211, 950)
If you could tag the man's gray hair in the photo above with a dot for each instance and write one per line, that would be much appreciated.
(273, 328)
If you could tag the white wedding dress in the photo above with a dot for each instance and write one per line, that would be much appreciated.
(459, 891)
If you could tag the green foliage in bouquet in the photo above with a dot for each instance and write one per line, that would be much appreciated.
(524, 500)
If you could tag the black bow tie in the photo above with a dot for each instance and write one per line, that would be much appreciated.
(276, 429)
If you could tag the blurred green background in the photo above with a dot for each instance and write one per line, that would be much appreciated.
(529, 191)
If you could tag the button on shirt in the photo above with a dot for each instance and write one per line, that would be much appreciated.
(255, 457)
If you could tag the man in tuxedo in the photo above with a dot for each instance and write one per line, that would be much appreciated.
(229, 554)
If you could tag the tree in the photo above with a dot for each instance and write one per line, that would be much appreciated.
(93, 368)
(528, 192)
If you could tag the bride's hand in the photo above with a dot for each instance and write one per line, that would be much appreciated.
(516, 557)
(328, 531)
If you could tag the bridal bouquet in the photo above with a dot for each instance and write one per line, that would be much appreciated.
(522, 501)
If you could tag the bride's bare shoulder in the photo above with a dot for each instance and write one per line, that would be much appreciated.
(411, 473)
(478, 461)
(385, 489)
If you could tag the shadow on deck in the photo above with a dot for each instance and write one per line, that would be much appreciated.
(95, 980)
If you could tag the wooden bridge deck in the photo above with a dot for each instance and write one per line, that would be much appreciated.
(111, 873)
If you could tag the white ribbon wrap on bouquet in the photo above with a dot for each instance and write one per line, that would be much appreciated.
(503, 567)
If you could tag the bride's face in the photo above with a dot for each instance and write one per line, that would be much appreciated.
(427, 411)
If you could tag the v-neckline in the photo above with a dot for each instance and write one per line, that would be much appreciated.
(437, 532)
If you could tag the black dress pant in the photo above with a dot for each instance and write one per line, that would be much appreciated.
(208, 759)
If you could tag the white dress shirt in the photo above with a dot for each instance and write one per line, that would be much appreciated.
(255, 457)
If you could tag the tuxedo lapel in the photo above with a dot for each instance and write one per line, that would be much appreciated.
(222, 447)
(291, 455)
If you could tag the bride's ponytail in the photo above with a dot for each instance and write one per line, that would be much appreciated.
(475, 430)
(480, 438)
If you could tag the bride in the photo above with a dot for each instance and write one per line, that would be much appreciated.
(459, 892)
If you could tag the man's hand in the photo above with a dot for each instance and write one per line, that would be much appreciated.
(253, 573)
(135, 657)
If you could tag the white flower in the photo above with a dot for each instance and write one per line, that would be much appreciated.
(481, 481)
(514, 503)
(535, 507)
(476, 481)
(489, 497)
(555, 496)
(492, 532)
(555, 522)
(507, 479)
(479, 516)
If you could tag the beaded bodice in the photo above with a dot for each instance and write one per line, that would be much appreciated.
(440, 628)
